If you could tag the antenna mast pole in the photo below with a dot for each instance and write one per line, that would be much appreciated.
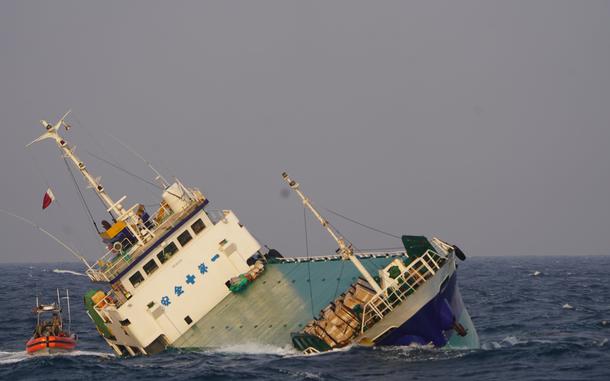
(69, 315)
(52, 133)
(115, 208)
(346, 251)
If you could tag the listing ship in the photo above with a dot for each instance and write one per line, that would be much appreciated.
(187, 276)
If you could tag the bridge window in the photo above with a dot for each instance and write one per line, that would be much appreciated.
(150, 267)
(167, 252)
(184, 238)
(198, 226)
(136, 279)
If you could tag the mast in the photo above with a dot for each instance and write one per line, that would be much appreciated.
(69, 315)
(346, 251)
(36, 309)
(115, 208)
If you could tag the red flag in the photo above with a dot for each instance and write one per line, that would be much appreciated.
(48, 198)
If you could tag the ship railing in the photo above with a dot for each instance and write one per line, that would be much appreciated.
(115, 260)
(405, 284)
(111, 263)
(111, 299)
(159, 217)
(388, 253)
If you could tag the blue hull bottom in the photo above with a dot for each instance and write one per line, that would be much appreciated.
(434, 323)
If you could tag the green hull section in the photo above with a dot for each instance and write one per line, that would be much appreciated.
(97, 319)
(276, 304)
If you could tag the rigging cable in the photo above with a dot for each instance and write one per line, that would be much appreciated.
(116, 166)
(308, 261)
(95, 140)
(81, 195)
(41, 174)
(133, 174)
(106, 153)
(361, 224)
(64, 245)
(339, 279)
(369, 260)
(375, 267)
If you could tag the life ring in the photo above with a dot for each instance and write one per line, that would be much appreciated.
(117, 247)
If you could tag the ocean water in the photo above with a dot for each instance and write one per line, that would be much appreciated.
(539, 318)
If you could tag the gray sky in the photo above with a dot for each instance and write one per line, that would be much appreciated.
(486, 123)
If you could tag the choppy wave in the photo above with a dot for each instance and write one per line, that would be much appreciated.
(256, 349)
(13, 357)
(508, 341)
(524, 331)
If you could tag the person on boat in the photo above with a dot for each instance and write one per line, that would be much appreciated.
(106, 225)
(55, 325)
(141, 212)
(45, 328)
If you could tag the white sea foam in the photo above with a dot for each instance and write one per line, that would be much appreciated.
(254, 348)
(567, 306)
(491, 345)
(512, 340)
(60, 271)
(536, 273)
(87, 353)
(506, 342)
(13, 357)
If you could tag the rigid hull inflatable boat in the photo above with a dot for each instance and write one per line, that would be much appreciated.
(50, 336)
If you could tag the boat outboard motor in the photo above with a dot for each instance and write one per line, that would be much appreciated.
(459, 253)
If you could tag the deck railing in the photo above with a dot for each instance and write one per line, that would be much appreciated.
(111, 263)
(111, 299)
(415, 274)
(115, 260)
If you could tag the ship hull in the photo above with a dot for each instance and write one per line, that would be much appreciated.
(434, 322)
(281, 302)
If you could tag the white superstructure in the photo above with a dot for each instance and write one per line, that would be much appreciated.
(165, 291)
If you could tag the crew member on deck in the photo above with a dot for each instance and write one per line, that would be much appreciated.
(106, 225)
